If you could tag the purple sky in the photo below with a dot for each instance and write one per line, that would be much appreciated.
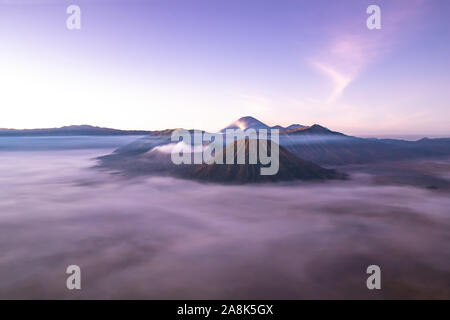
(204, 63)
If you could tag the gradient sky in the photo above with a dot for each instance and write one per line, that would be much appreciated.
(203, 63)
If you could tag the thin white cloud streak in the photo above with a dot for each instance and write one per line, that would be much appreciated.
(350, 52)
(340, 81)
(346, 57)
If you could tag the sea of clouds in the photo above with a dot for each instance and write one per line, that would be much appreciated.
(154, 237)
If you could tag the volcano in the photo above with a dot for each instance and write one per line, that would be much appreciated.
(157, 161)
(291, 168)
(245, 123)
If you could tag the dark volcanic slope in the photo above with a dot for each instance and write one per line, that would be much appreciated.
(155, 162)
(291, 168)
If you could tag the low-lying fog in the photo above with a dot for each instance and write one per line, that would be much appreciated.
(165, 238)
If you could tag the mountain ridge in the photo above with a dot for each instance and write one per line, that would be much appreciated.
(72, 130)
(249, 122)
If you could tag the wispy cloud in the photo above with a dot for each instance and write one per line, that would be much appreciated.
(345, 58)
(353, 48)
(340, 80)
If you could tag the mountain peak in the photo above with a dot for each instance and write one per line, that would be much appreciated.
(295, 126)
(245, 123)
(315, 129)
(319, 127)
(247, 118)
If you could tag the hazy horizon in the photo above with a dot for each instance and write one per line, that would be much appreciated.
(393, 135)
(164, 238)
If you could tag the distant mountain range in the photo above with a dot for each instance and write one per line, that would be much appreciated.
(304, 150)
(82, 130)
(248, 122)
